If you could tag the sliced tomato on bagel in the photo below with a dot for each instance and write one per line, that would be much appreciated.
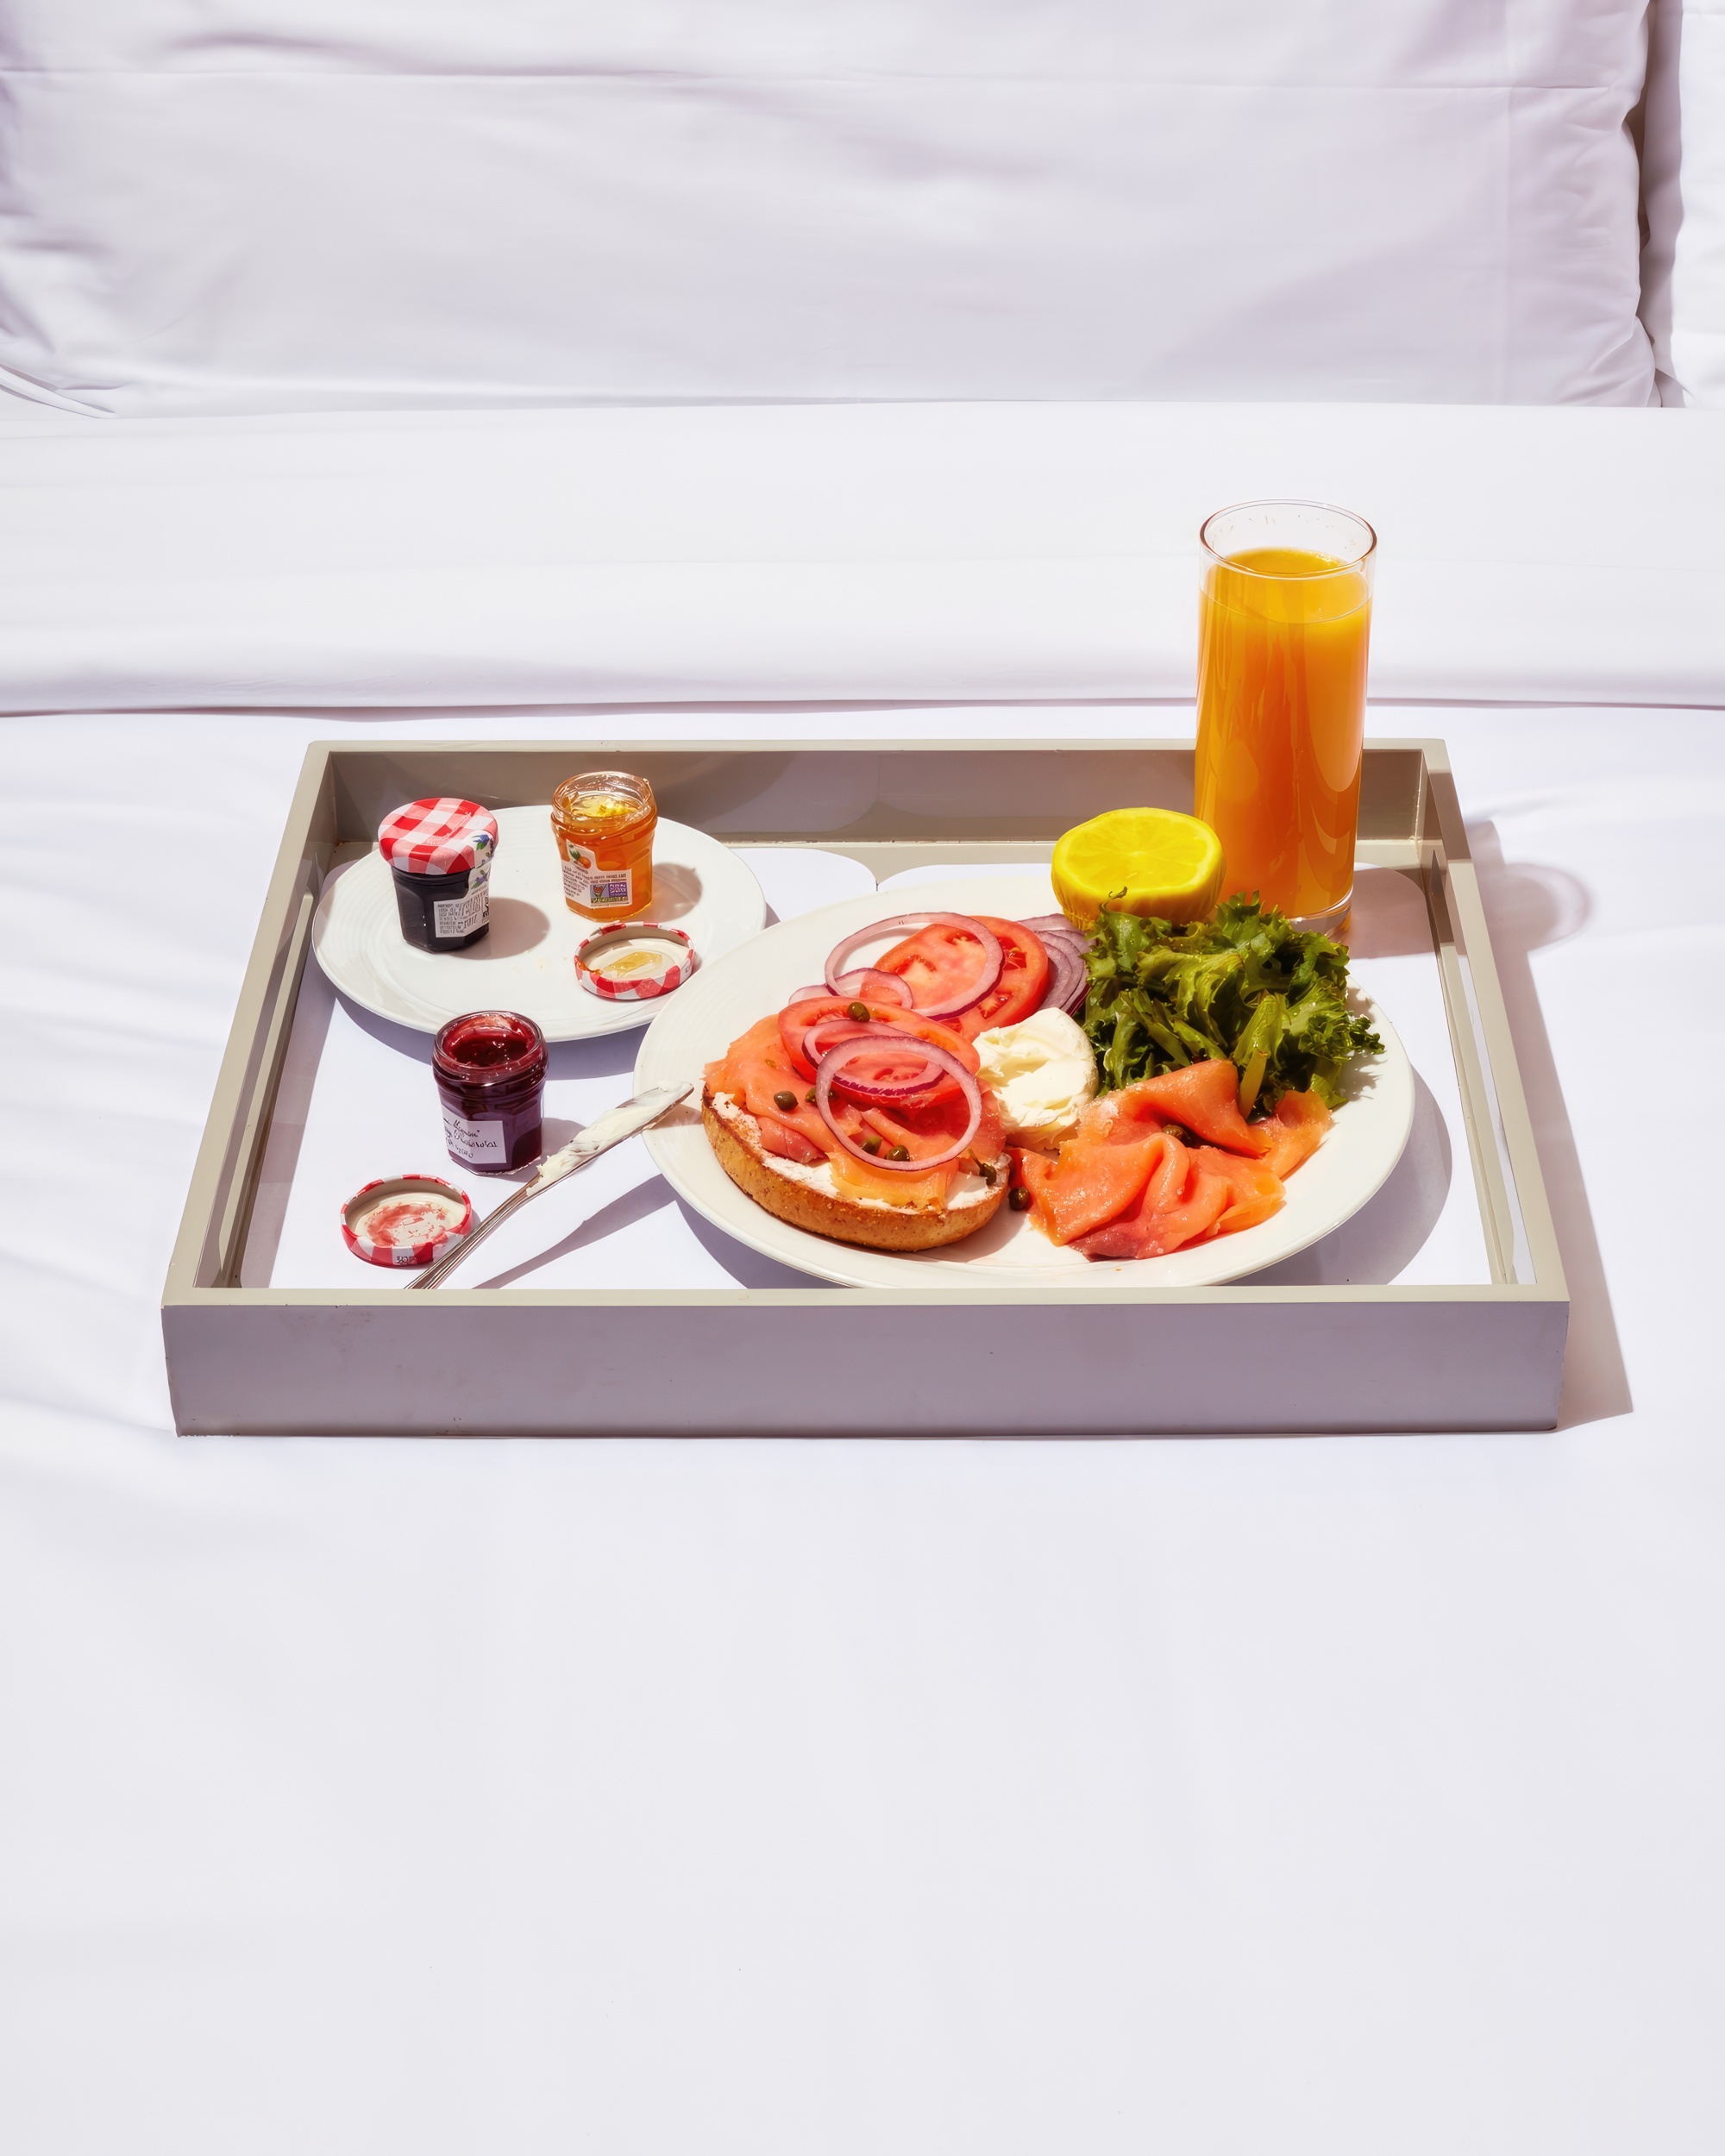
(936, 963)
(796, 1019)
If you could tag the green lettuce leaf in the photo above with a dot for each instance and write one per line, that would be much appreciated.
(1244, 985)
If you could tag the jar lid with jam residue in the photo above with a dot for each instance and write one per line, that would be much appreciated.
(437, 838)
(406, 1221)
(634, 961)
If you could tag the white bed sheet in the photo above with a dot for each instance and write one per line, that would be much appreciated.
(836, 552)
(1328, 1795)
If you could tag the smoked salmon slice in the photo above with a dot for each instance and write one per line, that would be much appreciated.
(1295, 1132)
(1121, 1188)
(1091, 1182)
(1204, 1098)
(1254, 1188)
(1179, 1203)
(787, 1141)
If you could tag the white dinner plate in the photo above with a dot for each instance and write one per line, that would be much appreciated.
(527, 962)
(724, 1000)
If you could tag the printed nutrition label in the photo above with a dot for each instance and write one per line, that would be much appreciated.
(461, 917)
(584, 883)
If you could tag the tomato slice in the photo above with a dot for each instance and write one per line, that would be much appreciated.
(797, 1017)
(936, 963)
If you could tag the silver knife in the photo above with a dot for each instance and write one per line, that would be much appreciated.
(611, 1129)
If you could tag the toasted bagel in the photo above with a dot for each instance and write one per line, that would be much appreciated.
(792, 1194)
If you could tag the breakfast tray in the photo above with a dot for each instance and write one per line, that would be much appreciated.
(1322, 1345)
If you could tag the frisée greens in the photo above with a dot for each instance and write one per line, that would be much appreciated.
(1244, 985)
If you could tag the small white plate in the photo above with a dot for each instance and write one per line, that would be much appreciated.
(724, 1000)
(527, 962)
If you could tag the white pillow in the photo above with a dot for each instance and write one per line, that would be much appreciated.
(232, 205)
(1684, 266)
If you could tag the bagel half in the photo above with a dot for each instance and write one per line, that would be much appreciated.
(791, 1195)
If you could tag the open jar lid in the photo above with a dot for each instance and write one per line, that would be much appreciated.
(437, 838)
(631, 962)
(405, 1219)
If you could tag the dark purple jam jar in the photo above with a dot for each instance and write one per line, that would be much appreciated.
(490, 1069)
(442, 913)
(440, 853)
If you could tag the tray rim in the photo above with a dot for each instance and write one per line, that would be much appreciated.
(216, 1215)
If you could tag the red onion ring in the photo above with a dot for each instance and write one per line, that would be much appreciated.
(834, 1060)
(826, 1034)
(1058, 930)
(867, 984)
(840, 1029)
(1072, 941)
(815, 1045)
(870, 985)
(1069, 979)
(906, 925)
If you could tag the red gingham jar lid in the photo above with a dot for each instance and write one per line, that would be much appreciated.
(405, 1219)
(437, 838)
(661, 959)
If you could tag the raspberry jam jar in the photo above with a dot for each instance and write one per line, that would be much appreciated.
(490, 1069)
(440, 854)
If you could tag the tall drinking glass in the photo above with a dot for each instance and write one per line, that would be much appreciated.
(1284, 617)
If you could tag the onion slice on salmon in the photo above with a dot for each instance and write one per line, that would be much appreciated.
(832, 1064)
(828, 1033)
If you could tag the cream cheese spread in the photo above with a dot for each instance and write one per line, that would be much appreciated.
(1042, 1073)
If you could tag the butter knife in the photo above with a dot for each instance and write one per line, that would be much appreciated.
(611, 1129)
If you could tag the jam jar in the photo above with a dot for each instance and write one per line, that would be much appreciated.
(490, 1069)
(440, 854)
(603, 822)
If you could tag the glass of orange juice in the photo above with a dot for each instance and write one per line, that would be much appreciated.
(1284, 617)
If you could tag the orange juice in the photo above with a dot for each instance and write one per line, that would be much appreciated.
(1281, 659)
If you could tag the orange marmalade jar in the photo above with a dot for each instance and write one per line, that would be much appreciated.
(603, 823)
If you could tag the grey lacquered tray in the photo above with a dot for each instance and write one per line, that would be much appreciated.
(1483, 1354)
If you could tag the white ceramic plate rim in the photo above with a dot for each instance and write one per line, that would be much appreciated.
(1371, 1129)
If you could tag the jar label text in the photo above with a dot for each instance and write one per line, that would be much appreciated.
(475, 1144)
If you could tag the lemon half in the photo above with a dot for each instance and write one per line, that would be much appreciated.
(1138, 860)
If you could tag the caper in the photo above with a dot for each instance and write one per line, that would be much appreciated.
(900, 1152)
(785, 1100)
(987, 1173)
(860, 1011)
(1019, 1199)
(871, 1145)
(809, 1096)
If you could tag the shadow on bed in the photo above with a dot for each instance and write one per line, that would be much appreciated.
(1527, 907)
